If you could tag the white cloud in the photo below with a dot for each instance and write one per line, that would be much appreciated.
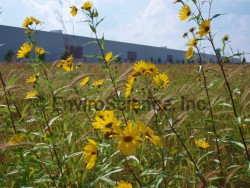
(156, 25)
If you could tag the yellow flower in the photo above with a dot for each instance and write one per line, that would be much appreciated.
(151, 69)
(189, 53)
(244, 125)
(29, 21)
(90, 154)
(149, 134)
(133, 75)
(204, 28)
(24, 52)
(129, 139)
(140, 67)
(98, 83)
(123, 184)
(184, 13)
(108, 56)
(193, 42)
(31, 94)
(73, 10)
(17, 139)
(135, 105)
(33, 79)
(129, 86)
(84, 81)
(39, 51)
(161, 80)
(106, 121)
(145, 69)
(201, 143)
(67, 64)
(87, 5)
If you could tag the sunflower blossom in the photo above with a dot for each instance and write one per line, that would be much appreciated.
(204, 28)
(84, 81)
(193, 42)
(90, 154)
(108, 57)
(135, 105)
(140, 67)
(145, 69)
(73, 10)
(129, 87)
(123, 184)
(185, 12)
(31, 94)
(98, 83)
(39, 51)
(67, 64)
(161, 80)
(33, 79)
(29, 21)
(201, 143)
(106, 121)
(149, 134)
(25, 50)
(189, 53)
(151, 69)
(87, 5)
(129, 139)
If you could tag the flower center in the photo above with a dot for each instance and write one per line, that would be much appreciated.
(109, 125)
(207, 28)
(128, 138)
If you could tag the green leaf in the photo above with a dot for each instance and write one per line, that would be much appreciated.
(15, 172)
(11, 81)
(216, 15)
(65, 158)
(99, 22)
(91, 42)
(194, 1)
(158, 180)
(4, 108)
(69, 137)
(102, 42)
(43, 180)
(179, 157)
(93, 29)
(218, 52)
(203, 156)
(237, 144)
(133, 158)
(150, 172)
(52, 121)
(225, 104)
(112, 171)
(109, 181)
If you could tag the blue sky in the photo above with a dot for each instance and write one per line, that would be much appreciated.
(149, 22)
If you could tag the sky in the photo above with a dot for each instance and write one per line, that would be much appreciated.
(148, 22)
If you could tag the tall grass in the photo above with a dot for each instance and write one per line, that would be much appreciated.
(126, 125)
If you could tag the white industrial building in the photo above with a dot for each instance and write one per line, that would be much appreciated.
(54, 42)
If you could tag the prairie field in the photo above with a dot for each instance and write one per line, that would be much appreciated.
(28, 162)
(122, 125)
